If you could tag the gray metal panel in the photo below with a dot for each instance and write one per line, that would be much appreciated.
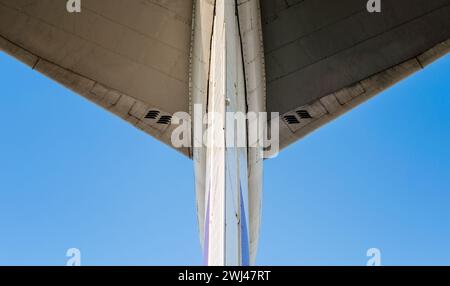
(316, 47)
(140, 48)
(128, 56)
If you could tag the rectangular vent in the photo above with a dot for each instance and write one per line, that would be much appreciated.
(303, 114)
(291, 119)
(152, 114)
(165, 119)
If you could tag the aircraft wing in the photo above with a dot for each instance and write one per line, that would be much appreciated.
(322, 57)
(130, 57)
(325, 57)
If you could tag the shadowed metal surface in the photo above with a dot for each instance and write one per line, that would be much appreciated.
(315, 48)
(129, 57)
(132, 57)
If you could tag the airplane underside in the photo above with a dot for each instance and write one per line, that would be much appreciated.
(231, 66)
(228, 171)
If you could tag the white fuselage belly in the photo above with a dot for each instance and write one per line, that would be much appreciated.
(228, 174)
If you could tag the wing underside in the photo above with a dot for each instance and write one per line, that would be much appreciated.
(322, 57)
(130, 57)
(325, 57)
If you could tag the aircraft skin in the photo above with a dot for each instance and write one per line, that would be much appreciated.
(310, 61)
(228, 180)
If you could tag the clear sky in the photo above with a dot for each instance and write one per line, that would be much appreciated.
(74, 176)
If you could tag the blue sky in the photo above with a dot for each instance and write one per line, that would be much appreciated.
(73, 175)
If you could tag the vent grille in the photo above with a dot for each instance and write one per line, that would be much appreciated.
(291, 119)
(303, 114)
(152, 114)
(165, 119)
